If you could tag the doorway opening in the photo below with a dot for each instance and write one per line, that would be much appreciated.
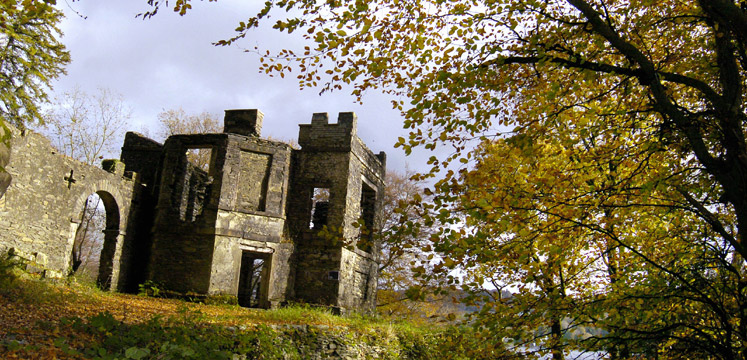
(254, 279)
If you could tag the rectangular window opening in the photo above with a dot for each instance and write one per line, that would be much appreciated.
(201, 158)
(368, 212)
(319, 208)
(196, 184)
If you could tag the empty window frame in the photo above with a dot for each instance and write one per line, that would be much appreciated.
(200, 157)
(368, 213)
(319, 208)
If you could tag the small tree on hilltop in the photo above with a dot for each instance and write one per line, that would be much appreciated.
(177, 121)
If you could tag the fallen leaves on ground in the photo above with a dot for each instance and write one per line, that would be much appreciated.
(30, 320)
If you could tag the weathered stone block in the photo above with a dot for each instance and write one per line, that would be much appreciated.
(113, 166)
(247, 122)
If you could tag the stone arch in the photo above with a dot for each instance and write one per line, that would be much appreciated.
(96, 187)
(115, 205)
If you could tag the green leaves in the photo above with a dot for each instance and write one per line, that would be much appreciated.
(30, 58)
(596, 152)
(103, 322)
(136, 353)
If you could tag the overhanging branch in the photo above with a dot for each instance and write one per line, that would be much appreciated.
(713, 221)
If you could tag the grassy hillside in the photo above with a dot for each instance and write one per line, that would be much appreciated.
(65, 319)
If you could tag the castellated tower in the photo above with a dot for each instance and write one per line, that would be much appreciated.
(336, 182)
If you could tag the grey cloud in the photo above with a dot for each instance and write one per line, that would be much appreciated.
(169, 62)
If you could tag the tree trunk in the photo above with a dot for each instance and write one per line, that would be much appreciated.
(81, 235)
(5, 177)
(557, 338)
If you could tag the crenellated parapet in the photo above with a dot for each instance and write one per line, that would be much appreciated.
(320, 135)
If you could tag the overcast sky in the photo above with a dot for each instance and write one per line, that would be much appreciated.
(168, 62)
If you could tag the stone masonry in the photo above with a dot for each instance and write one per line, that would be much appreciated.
(41, 210)
(261, 221)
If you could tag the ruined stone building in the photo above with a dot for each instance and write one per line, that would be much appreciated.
(261, 221)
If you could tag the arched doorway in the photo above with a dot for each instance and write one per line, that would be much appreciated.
(95, 243)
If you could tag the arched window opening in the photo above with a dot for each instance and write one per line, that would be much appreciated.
(96, 240)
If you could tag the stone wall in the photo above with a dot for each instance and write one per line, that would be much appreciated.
(359, 265)
(240, 208)
(143, 156)
(256, 173)
(186, 209)
(226, 268)
(42, 207)
(251, 216)
(322, 163)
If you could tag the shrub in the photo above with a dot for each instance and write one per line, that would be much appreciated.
(10, 268)
(149, 288)
(186, 338)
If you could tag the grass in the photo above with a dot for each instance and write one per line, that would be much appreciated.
(73, 319)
